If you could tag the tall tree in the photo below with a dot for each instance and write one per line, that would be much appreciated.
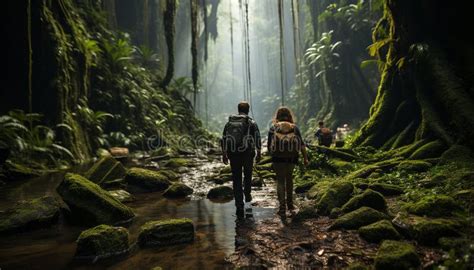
(194, 49)
(169, 16)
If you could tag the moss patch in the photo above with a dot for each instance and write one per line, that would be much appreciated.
(368, 198)
(166, 232)
(147, 180)
(337, 194)
(358, 218)
(90, 204)
(386, 189)
(378, 231)
(178, 190)
(177, 163)
(308, 211)
(434, 206)
(221, 193)
(430, 150)
(102, 241)
(414, 166)
(394, 255)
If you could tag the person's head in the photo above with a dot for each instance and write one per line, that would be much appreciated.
(243, 107)
(321, 123)
(284, 114)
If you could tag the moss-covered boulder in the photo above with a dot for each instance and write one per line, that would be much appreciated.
(414, 166)
(335, 196)
(30, 215)
(434, 206)
(178, 190)
(378, 231)
(386, 189)
(395, 255)
(221, 193)
(101, 242)
(105, 170)
(426, 230)
(177, 163)
(90, 204)
(166, 232)
(171, 175)
(358, 218)
(147, 180)
(307, 211)
(304, 187)
(369, 198)
(430, 150)
(257, 182)
(121, 195)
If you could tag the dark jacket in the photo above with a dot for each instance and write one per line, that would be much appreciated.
(254, 139)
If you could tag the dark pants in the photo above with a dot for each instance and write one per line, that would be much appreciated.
(237, 164)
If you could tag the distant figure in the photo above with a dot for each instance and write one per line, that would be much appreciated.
(324, 135)
(240, 141)
(284, 144)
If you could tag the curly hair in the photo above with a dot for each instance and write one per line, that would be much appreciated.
(283, 114)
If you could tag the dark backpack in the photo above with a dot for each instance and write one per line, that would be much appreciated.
(326, 137)
(237, 131)
(285, 143)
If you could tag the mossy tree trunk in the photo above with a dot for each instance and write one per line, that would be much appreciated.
(426, 91)
(169, 16)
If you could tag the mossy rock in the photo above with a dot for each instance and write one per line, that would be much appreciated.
(221, 193)
(358, 218)
(14, 171)
(369, 198)
(172, 176)
(102, 241)
(121, 195)
(426, 230)
(303, 188)
(178, 190)
(257, 182)
(386, 189)
(30, 215)
(395, 255)
(378, 231)
(147, 180)
(414, 166)
(434, 206)
(458, 154)
(105, 170)
(335, 196)
(177, 163)
(166, 232)
(430, 150)
(336, 212)
(90, 204)
(306, 212)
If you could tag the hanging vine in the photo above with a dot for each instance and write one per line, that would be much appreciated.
(194, 50)
(282, 73)
(169, 16)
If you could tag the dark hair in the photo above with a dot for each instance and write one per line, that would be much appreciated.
(283, 114)
(243, 107)
(321, 123)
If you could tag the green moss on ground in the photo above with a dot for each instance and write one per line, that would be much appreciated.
(177, 163)
(303, 187)
(102, 241)
(430, 150)
(147, 180)
(459, 155)
(365, 171)
(358, 218)
(434, 206)
(166, 232)
(414, 166)
(386, 189)
(395, 255)
(378, 231)
(105, 170)
(178, 190)
(335, 196)
(90, 204)
(368, 198)
(221, 193)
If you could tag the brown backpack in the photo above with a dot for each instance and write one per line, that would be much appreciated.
(285, 143)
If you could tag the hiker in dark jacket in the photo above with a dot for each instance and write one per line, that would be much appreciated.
(284, 144)
(324, 135)
(241, 144)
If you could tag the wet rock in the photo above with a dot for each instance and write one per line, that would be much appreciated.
(335, 196)
(90, 204)
(358, 218)
(178, 190)
(414, 166)
(122, 195)
(13, 171)
(303, 188)
(395, 255)
(257, 182)
(426, 230)
(368, 198)
(221, 193)
(105, 170)
(147, 180)
(166, 232)
(30, 215)
(102, 241)
(434, 206)
(307, 211)
(386, 189)
(378, 231)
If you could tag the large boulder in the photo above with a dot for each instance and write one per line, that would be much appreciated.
(101, 242)
(368, 198)
(147, 180)
(90, 204)
(105, 170)
(166, 232)
(395, 255)
(178, 190)
(378, 231)
(221, 193)
(358, 218)
(434, 206)
(29, 215)
(335, 196)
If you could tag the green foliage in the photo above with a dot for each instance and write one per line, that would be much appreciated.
(118, 53)
(324, 53)
(146, 57)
